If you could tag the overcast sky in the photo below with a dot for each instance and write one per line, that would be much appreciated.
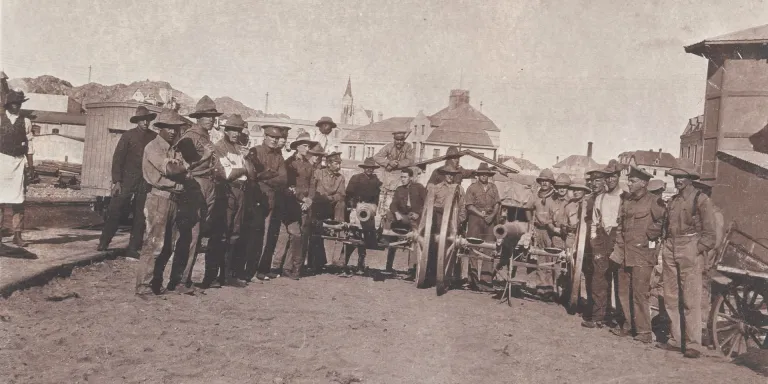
(551, 74)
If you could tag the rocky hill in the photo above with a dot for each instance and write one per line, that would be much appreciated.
(157, 90)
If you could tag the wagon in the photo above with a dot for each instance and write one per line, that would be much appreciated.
(738, 320)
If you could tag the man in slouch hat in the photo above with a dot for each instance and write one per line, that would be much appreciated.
(393, 157)
(363, 192)
(128, 182)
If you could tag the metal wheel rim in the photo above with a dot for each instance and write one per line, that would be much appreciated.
(423, 241)
(730, 320)
(446, 260)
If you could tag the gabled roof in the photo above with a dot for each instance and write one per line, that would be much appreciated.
(75, 138)
(695, 124)
(652, 158)
(467, 152)
(459, 132)
(754, 35)
(380, 131)
(581, 161)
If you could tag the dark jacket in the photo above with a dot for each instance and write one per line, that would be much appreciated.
(13, 136)
(640, 221)
(417, 193)
(126, 161)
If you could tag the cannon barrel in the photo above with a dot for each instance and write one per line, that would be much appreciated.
(512, 228)
(365, 213)
(330, 224)
(389, 232)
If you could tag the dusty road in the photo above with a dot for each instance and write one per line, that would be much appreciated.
(323, 329)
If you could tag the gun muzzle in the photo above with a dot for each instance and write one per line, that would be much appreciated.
(511, 228)
(364, 213)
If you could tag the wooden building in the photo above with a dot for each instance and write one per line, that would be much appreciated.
(742, 179)
(59, 147)
(105, 123)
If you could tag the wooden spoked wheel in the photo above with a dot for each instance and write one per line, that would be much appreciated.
(446, 243)
(423, 241)
(739, 320)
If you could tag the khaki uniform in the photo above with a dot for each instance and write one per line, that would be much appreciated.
(690, 234)
(639, 225)
(391, 180)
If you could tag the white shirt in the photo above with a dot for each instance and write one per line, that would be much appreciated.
(27, 128)
(324, 140)
(606, 210)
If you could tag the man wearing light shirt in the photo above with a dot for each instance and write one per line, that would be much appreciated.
(605, 219)
(322, 134)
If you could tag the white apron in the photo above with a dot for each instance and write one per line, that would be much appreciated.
(11, 179)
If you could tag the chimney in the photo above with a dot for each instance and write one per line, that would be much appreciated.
(659, 151)
(557, 159)
(381, 116)
(458, 97)
(589, 149)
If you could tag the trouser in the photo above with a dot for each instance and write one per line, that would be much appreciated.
(634, 297)
(477, 228)
(114, 212)
(391, 221)
(208, 192)
(263, 232)
(322, 209)
(682, 264)
(190, 210)
(161, 223)
(298, 241)
(17, 220)
(369, 235)
(599, 288)
(544, 278)
(224, 245)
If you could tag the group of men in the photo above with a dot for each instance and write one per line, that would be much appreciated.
(630, 234)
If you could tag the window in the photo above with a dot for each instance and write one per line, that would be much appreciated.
(370, 151)
(415, 129)
(435, 153)
(55, 131)
(421, 152)
(654, 172)
(336, 133)
(352, 150)
(695, 148)
(422, 129)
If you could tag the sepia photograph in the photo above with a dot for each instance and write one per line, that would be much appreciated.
(383, 192)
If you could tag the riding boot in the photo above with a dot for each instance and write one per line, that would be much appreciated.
(18, 241)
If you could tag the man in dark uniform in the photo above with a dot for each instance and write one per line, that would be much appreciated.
(227, 216)
(483, 203)
(300, 169)
(362, 193)
(196, 203)
(405, 210)
(128, 182)
(452, 156)
(639, 226)
(164, 170)
(266, 187)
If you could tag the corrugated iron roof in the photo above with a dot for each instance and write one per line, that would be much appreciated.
(58, 118)
(460, 131)
(754, 35)
(753, 157)
(380, 131)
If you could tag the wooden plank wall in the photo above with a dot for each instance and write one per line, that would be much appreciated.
(104, 125)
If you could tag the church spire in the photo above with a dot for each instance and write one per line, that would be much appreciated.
(349, 87)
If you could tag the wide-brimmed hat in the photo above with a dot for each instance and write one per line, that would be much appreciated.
(562, 180)
(596, 172)
(452, 152)
(369, 163)
(235, 122)
(325, 120)
(274, 130)
(205, 108)
(15, 97)
(639, 173)
(142, 113)
(333, 156)
(483, 169)
(546, 175)
(400, 135)
(684, 169)
(303, 138)
(655, 185)
(448, 169)
(581, 184)
(169, 118)
(316, 150)
(612, 168)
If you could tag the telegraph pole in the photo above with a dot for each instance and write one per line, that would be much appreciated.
(266, 105)
(89, 73)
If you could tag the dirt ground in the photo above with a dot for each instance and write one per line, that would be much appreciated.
(323, 329)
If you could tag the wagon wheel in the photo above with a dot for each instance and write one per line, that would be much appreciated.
(739, 320)
(423, 241)
(446, 243)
